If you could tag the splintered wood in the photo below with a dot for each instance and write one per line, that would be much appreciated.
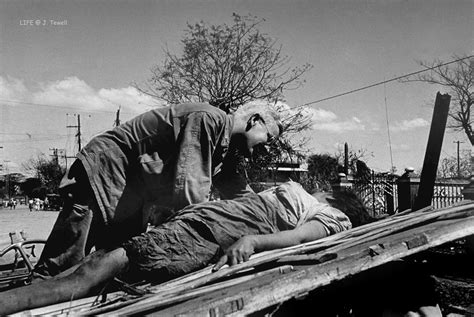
(276, 276)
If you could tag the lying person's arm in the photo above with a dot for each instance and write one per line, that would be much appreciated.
(241, 250)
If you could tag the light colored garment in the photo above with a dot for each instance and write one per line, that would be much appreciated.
(301, 207)
(284, 207)
(192, 239)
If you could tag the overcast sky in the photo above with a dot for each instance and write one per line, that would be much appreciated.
(63, 58)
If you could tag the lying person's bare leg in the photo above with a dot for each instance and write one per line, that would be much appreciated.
(95, 269)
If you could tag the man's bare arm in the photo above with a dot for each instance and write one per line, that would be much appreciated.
(241, 250)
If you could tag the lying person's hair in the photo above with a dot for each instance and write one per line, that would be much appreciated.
(347, 202)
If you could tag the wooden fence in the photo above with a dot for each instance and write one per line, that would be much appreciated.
(447, 193)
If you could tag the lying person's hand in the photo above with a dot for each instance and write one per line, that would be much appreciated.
(237, 253)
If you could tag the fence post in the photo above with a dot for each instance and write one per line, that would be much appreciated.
(407, 189)
(389, 203)
(468, 193)
(344, 182)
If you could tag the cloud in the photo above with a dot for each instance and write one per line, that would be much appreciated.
(321, 119)
(328, 121)
(128, 97)
(321, 115)
(69, 92)
(406, 125)
(72, 92)
(12, 89)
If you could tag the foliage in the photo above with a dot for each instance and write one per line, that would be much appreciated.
(448, 166)
(267, 158)
(323, 170)
(10, 184)
(29, 185)
(49, 172)
(225, 65)
(458, 78)
(310, 184)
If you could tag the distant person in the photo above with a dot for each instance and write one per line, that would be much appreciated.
(30, 204)
(46, 203)
(279, 217)
(12, 203)
(37, 204)
(150, 167)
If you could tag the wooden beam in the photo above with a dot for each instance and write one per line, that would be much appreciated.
(433, 151)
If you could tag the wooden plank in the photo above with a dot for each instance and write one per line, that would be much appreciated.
(153, 301)
(338, 244)
(271, 290)
(172, 299)
(433, 151)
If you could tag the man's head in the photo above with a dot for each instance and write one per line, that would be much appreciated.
(254, 124)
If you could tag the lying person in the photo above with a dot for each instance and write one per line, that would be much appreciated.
(279, 217)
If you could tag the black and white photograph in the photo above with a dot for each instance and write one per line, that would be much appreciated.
(237, 157)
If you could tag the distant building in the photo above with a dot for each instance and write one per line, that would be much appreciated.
(283, 172)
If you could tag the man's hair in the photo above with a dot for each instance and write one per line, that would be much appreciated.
(266, 111)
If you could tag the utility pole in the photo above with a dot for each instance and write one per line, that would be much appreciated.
(1, 165)
(7, 179)
(117, 118)
(346, 159)
(459, 165)
(78, 134)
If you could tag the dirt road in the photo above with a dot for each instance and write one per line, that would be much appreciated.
(37, 224)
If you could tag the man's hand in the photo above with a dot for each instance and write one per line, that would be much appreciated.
(237, 253)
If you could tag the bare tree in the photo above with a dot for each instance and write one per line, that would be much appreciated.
(458, 78)
(229, 65)
(356, 160)
(448, 166)
(225, 65)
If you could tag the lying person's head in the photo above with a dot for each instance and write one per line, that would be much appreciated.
(347, 202)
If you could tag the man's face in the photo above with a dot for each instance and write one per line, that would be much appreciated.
(257, 132)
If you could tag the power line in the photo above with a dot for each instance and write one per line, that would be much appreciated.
(31, 134)
(33, 140)
(52, 106)
(381, 83)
